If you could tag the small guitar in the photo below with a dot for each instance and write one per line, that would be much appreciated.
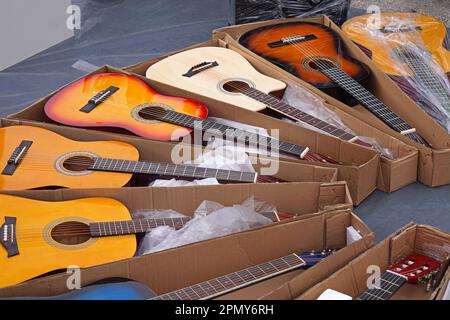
(396, 46)
(227, 76)
(124, 101)
(32, 157)
(413, 269)
(230, 282)
(314, 53)
(39, 237)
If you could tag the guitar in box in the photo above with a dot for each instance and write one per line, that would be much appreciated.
(39, 237)
(405, 45)
(413, 269)
(32, 157)
(314, 53)
(116, 100)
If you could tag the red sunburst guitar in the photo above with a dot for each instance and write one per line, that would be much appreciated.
(116, 100)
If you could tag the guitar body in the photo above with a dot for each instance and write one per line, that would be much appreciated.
(210, 82)
(109, 289)
(44, 162)
(124, 109)
(41, 251)
(300, 57)
(422, 31)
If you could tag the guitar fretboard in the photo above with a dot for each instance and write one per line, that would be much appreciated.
(242, 136)
(172, 170)
(230, 282)
(389, 283)
(296, 114)
(372, 103)
(426, 75)
(119, 228)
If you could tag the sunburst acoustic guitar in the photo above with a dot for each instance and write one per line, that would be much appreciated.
(39, 237)
(121, 101)
(32, 157)
(314, 53)
(405, 45)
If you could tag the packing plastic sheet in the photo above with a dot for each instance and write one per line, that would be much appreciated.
(308, 102)
(413, 50)
(245, 11)
(210, 220)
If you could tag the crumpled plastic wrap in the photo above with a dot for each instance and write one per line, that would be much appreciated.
(210, 220)
(413, 50)
(308, 102)
(245, 11)
(183, 183)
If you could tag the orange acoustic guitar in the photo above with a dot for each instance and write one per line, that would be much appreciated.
(123, 101)
(314, 53)
(404, 45)
(39, 237)
(32, 157)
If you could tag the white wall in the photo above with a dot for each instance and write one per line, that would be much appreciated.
(30, 26)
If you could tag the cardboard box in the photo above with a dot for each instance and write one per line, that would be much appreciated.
(414, 238)
(186, 265)
(360, 173)
(434, 163)
(392, 174)
(160, 151)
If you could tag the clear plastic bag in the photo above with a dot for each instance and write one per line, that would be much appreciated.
(413, 50)
(308, 102)
(210, 220)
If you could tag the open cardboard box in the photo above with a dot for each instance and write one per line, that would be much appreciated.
(434, 163)
(413, 238)
(158, 151)
(324, 214)
(392, 174)
(360, 172)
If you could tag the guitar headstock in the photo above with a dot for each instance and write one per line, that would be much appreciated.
(312, 258)
(417, 268)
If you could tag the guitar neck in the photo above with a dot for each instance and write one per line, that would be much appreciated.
(390, 282)
(372, 103)
(172, 170)
(233, 281)
(428, 77)
(242, 136)
(296, 114)
(136, 226)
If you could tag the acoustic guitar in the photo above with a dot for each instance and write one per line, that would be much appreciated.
(123, 101)
(39, 237)
(413, 269)
(32, 157)
(404, 44)
(125, 289)
(314, 53)
(225, 75)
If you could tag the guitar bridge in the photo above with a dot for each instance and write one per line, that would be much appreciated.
(199, 68)
(8, 236)
(290, 40)
(16, 157)
(98, 99)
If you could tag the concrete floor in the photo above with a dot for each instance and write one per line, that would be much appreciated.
(124, 32)
(437, 8)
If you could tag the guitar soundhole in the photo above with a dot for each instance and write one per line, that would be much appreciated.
(152, 113)
(71, 233)
(315, 64)
(320, 63)
(235, 86)
(78, 163)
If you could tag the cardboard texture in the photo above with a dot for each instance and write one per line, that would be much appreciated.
(413, 238)
(176, 268)
(434, 162)
(392, 174)
(158, 151)
(360, 170)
